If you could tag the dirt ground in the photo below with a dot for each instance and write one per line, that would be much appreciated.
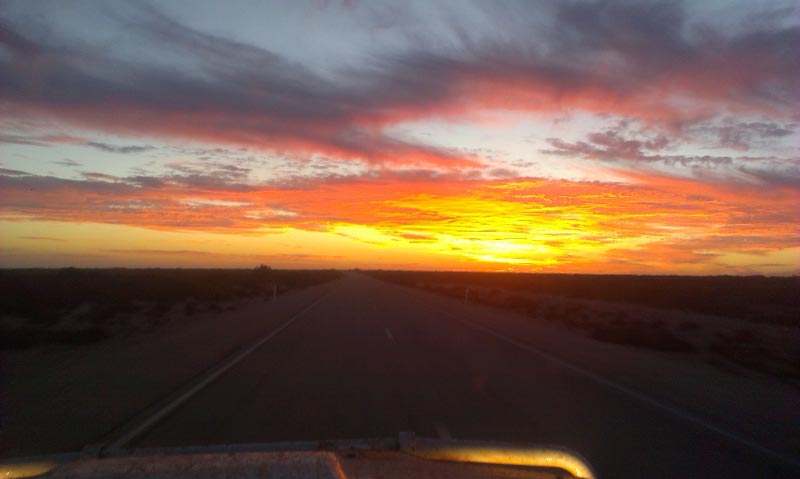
(733, 344)
(62, 397)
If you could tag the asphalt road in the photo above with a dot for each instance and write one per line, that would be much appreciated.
(372, 359)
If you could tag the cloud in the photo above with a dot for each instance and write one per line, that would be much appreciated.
(647, 61)
(119, 149)
(211, 255)
(146, 181)
(8, 172)
(43, 238)
(532, 222)
(642, 150)
(304, 256)
(67, 162)
(95, 176)
(612, 148)
(744, 135)
(418, 236)
(38, 140)
(160, 252)
(682, 85)
(20, 140)
(268, 102)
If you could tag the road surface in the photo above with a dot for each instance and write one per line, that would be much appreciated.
(372, 359)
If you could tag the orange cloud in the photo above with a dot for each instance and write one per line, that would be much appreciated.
(652, 223)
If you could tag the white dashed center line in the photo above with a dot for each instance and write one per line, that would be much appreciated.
(389, 334)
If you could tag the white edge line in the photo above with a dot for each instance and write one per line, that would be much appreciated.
(632, 393)
(175, 403)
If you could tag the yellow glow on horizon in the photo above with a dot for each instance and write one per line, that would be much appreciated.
(558, 226)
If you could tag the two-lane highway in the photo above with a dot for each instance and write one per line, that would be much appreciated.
(372, 359)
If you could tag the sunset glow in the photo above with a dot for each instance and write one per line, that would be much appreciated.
(654, 137)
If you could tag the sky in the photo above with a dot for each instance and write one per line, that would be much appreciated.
(534, 136)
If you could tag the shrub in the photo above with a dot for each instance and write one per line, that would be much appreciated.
(635, 335)
(753, 298)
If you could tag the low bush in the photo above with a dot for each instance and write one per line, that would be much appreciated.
(758, 299)
(641, 336)
(22, 338)
(43, 297)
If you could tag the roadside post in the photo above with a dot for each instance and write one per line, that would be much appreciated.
(273, 288)
(466, 295)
